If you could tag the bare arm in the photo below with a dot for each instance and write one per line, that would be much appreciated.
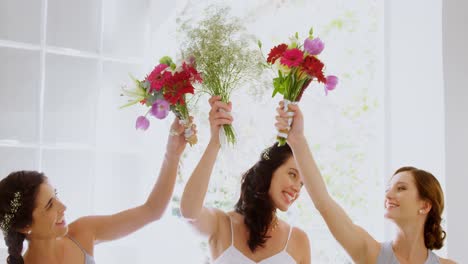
(110, 227)
(446, 261)
(355, 240)
(205, 220)
(305, 244)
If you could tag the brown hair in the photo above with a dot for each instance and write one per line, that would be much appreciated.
(429, 189)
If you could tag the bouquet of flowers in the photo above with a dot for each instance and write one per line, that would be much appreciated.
(164, 90)
(224, 55)
(297, 67)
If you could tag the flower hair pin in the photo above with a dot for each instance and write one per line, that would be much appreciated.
(266, 154)
(15, 204)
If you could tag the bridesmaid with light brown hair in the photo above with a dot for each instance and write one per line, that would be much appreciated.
(414, 202)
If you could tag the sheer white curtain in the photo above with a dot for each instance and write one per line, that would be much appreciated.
(345, 129)
(63, 117)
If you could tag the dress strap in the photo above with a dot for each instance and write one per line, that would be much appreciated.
(77, 243)
(289, 236)
(232, 231)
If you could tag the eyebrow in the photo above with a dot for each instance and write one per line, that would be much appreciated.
(50, 201)
(400, 182)
(388, 186)
(294, 170)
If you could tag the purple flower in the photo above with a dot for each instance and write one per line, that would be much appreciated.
(313, 46)
(142, 123)
(191, 60)
(160, 109)
(330, 83)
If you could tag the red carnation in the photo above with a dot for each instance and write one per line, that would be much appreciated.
(276, 53)
(176, 86)
(314, 68)
(195, 75)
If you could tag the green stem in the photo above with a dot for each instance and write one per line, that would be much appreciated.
(230, 135)
(281, 141)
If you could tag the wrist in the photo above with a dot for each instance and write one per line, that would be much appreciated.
(170, 156)
(297, 141)
(214, 142)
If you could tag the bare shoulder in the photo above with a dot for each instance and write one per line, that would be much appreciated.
(446, 261)
(299, 239)
(299, 245)
(230, 218)
(221, 238)
(81, 231)
(218, 212)
(81, 225)
(371, 247)
(299, 235)
(224, 218)
(223, 223)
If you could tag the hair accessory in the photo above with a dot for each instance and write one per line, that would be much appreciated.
(15, 204)
(266, 154)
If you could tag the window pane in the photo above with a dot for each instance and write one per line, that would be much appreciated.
(20, 20)
(19, 95)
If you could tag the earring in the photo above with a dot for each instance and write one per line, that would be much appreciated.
(421, 211)
(29, 232)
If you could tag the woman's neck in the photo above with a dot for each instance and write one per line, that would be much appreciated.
(44, 251)
(409, 243)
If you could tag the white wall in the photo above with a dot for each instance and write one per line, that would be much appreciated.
(426, 101)
(455, 51)
(414, 80)
(414, 88)
(3, 253)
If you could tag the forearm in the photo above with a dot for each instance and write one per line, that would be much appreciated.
(110, 227)
(312, 178)
(197, 186)
(350, 236)
(162, 191)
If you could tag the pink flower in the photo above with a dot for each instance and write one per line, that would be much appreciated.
(159, 68)
(313, 46)
(142, 123)
(292, 57)
(157, 79)
(330, 83)
(160, 109)
(191, 60)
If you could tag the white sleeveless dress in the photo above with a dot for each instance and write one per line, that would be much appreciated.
(233, 256)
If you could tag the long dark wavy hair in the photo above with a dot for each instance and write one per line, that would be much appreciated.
(430, 190)
(255, 204)
(26, 183)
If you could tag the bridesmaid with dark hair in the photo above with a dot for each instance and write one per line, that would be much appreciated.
(251, 233)
(30, 210)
